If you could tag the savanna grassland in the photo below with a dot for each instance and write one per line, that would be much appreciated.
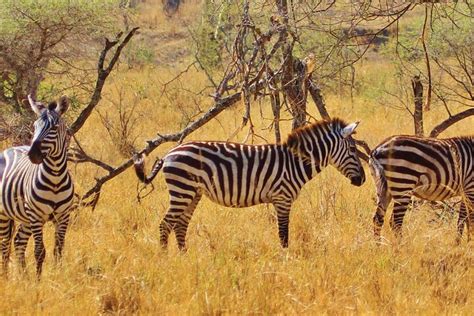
(113, 262)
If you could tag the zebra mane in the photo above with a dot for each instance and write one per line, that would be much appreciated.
(294, 138)
(52, 105)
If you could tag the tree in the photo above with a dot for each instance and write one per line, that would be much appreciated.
(44, 40)
(41, 41)
(436, 51)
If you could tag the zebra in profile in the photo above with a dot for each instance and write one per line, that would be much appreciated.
(428, 168)
(35, 186)
(238, 175)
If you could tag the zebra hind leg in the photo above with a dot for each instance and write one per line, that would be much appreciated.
(61, 225)
(20, 243)
(283, 216)
(470, 226)
(461, 222)
(399, 210)
(470, 217)
(383, 197)
(181, 226)
(179, 203)
(6, 231)
(383, 200)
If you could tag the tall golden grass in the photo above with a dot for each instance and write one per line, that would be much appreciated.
(113, 262)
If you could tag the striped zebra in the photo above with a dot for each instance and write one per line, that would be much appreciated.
(238, 175)
(428, 168)
(35, 186)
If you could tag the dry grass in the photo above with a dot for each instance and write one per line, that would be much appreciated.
(113, 262)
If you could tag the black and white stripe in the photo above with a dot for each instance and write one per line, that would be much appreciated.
(36, 186)
(428, 168)
(238, 175)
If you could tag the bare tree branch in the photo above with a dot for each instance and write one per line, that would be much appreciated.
(418, 112)
(218, 107)
(438, 129)
(102, 74)
(427, 60)
(318, 99)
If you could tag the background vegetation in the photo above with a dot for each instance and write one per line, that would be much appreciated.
(113, 262)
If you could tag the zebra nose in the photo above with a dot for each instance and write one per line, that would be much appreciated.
(357, 180)
(35, 154)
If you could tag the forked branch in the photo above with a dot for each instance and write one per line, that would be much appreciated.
(102, 74)
(92, 196)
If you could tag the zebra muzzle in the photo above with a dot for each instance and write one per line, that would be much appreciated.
(35, 154)
(357, 181)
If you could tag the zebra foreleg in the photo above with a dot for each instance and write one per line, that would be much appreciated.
(61, 225)
(399, 210)
(181, 226)
(283, 216)
(40, 251)
(6, 231)
(20, 243)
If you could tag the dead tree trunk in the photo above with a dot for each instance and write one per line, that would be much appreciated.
(318, 99)
(418, 97)
(293, 72)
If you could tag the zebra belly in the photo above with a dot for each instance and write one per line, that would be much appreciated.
(423, 188)
(235, 203)
(236, 194)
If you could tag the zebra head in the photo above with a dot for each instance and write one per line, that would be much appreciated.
(344, 155)
(50, 132)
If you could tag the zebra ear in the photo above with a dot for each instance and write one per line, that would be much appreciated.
(63, 105)
(37, 107)
(349, 129)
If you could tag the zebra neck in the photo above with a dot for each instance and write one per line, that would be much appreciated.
(55, 166)
(309, 164)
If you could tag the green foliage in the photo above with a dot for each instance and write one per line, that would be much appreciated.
(448, 38)
(40, 39)
(214, 33)
(407, 44)
(86, 17)
(139, 54)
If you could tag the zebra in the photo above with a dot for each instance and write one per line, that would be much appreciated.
(427, 168)
(36, 187)
(238, 175)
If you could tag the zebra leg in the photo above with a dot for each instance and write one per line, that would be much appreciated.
(470, 217)
(181, 226)
(20, 242)
(40, 251)
(61, 225)
(283, 216)
(461, 221)
(470, 226)
(399, 210)
(6, 231)
(383, 197)
(179, 203)
(383, 200)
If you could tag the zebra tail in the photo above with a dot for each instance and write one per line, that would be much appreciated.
(139, 165)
